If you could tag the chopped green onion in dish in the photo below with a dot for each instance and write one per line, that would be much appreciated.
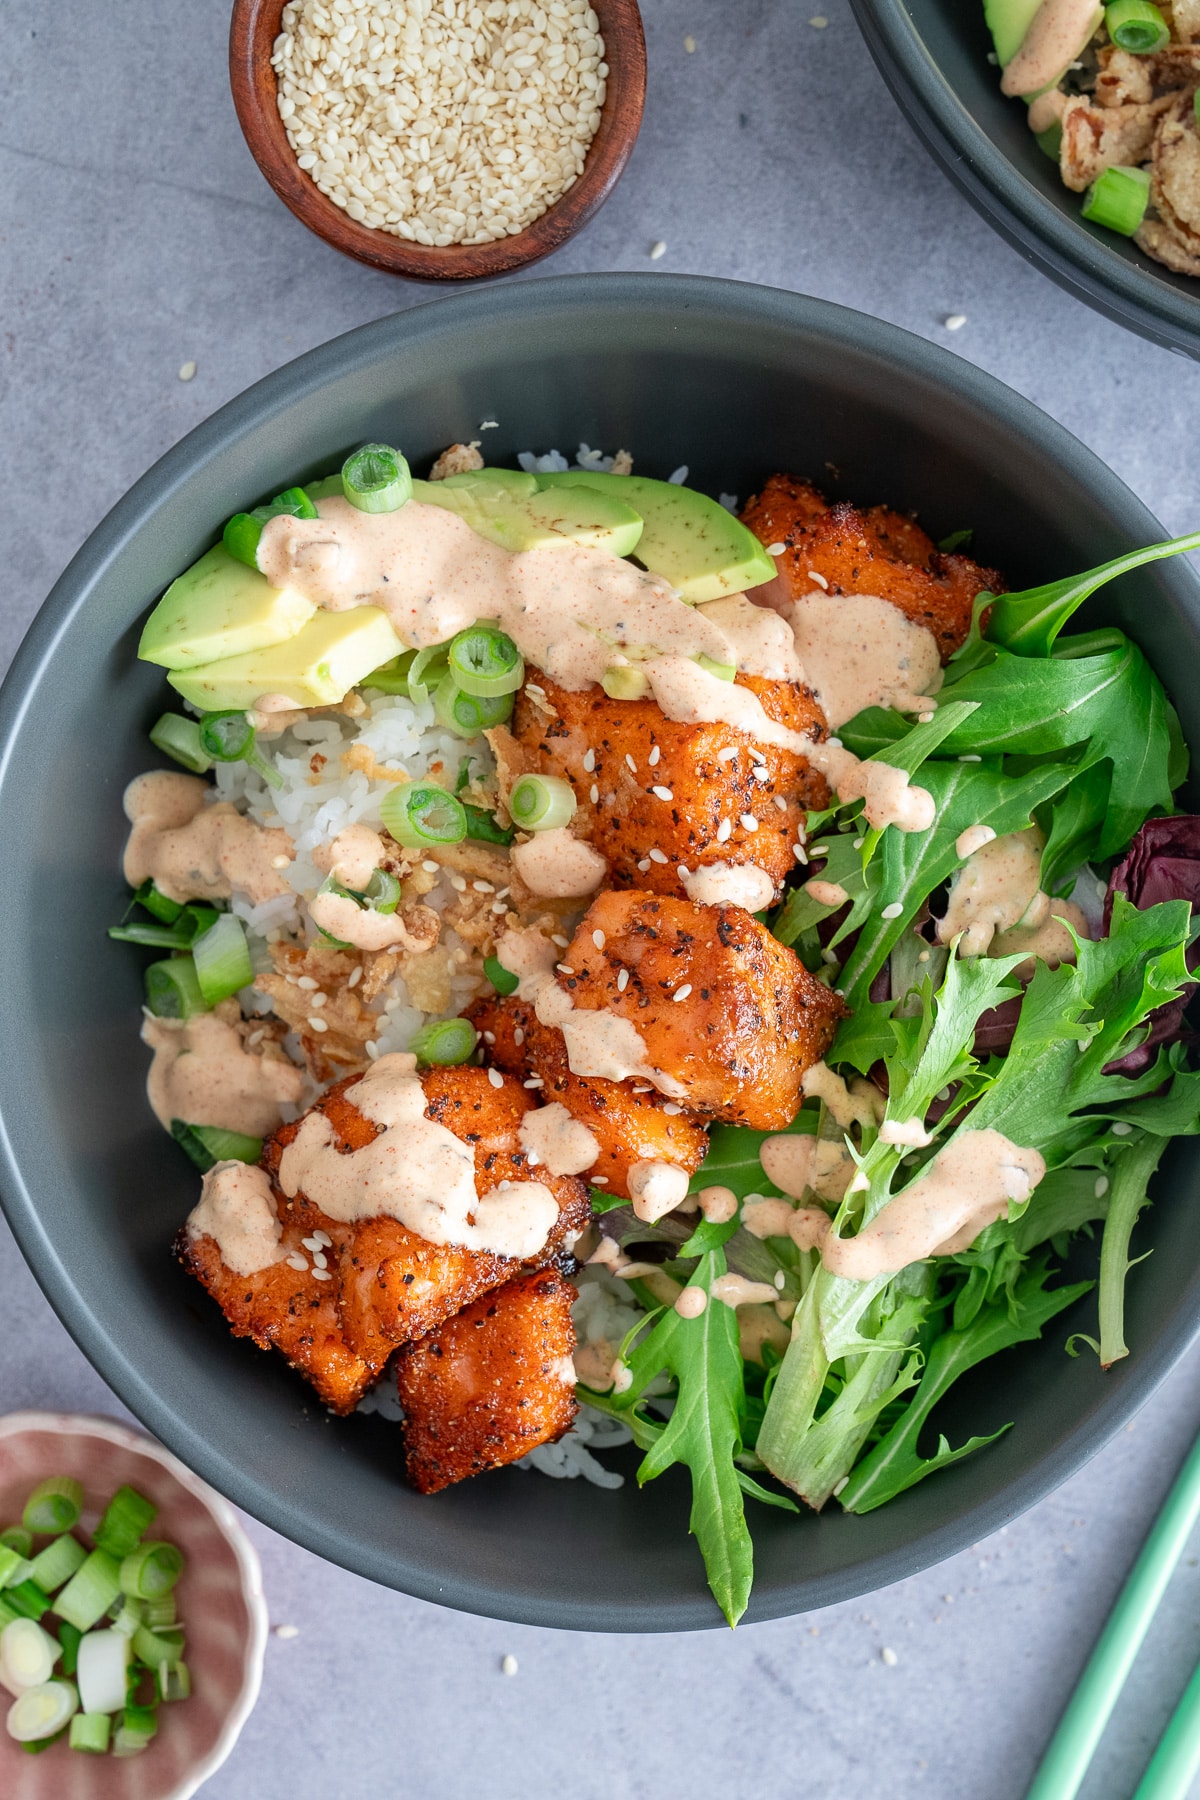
(446, 1043)
(27, 1655)
(173, 1681)
(541, 802)
(418, 813)
(13, 1566)
(27, 1598)
(160, 1612)
(221, 957)
(211, 1144)
(469, 714)
(54, 1505)
(502, 979)
(70, 1637)
(179, 738)
(484, 661)
(90, 1591)
(1136, 26)
(155, 1648)
(485, 828)
(151, 1571)
(625, 683)
(16, 1537)
(42, 1712)
(376, 479)
(127, 1518)
(158, 905)
(136, 1730)
(151, 937)
(90, 1732)
(1118, 199)
(103, 1671)
(230, 737)
(128, 1615)
(57, 1563)
(243, 531)
(391, 677)
(425, 671)
(173, 989)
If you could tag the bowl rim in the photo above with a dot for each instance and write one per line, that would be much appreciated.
(254, 24)
(1078, 259)
(742, 307)
(92, 1425)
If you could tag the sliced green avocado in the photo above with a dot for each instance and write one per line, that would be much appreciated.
(699, 547)
(1008, 21)
(219, 607)
(509, 508)
(316, 667)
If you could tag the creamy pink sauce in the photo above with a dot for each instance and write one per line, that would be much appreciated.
(1058, 32)
(798, 1164)
(204, 1074)
(656, 1188)
(972, 839)
(1047, 110)
(736, 1290)
(888, 796)
(237, 1211)
(860, 1103)
(826, 893)
(718, 1204)
(414, 1171)
(908, 1132)
(192, 851)
(998, 906)
(558, 866)
(809, 1227)
(966, 1187)
(859, 651)
(767, 1218)
(691, 1303)
(555, 1141)
(1049, 942)
(352, 857)
(730, 884)
(363, 927)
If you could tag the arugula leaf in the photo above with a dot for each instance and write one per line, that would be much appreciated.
(1131, 1178)
(703, 1431)
(863, 1039)
(1029, 622)
(895, 1464)
(1073, 823)
(733, 1155)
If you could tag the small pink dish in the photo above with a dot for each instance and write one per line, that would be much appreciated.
(220, 1598)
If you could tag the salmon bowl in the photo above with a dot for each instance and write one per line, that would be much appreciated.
(736, 384)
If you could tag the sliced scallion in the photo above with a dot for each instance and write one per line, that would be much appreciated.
(173, 989)
(541, 802)
(13, 1566)
(243, 531)
(160, 1612)
(1118, 199)
(376, 479)
(222, 959)
(502, 979)
(90, 1731)
(484, 661)
(57, 1563)
(127, 1518)
(210, 1144)
(485, 828)
(103, 1665)
(179, 738)
(54, 1505)
(7, 1615)
(153, 1648)
(128, 1615)
(391, 677)
(27, 1598)
(16, 1537)
(425, 671)
(70, 1637)
(446, 1043)
(151, 937)
(90, 1591)
(469, 714)
(42, 1712)
(382, 892)
(173, 1681)
(230, 737)
(722, 671)
(27, 1655)
(151, 1571)
(418, 813)
(625, 683)
(165, 910)
(1136, 26)
(197, 917)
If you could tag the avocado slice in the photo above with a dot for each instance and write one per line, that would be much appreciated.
(1008, 21)
(702, 550)
(220, 607)
(316, 667)
(509, 508)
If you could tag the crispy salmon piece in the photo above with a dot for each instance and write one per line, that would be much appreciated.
(725, 1011)
(288, 1309)
(490, 1385)
(591, 740)
(877, 552)
(629, 1124)
(394, 1285)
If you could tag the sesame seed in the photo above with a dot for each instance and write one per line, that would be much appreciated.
(311, 1243)
(318, 1024)
(893, 911)
(629, 760)
(323, 1238)
(321, 1275)
(1101, 1187)
(496, 1078)
(819, 579)
(780, 802)
(187, 370)
(658, 249)
(761, 772)
(598, 939)
(489, 1037)
(819, 23)
(308, 984)
(683, 871)
(644, 865)
(689, 44)
(724, 829)
(622, 981)
(535, 1081)
(280, 862)
(296, 1261)
(287, 1631)
(800, 853)
(970, 758)
(320, 1000)
(780, 1279)
(564, 968)
(598, 1180)
(681, 993)
(662, 793)
(256, 1037)
(749, 822)
(589, 761)
(727, 754)
(1120, 1129)
(483, 887)
(954, 321)
(889, 1657)
(859, 842)
(557, 938)
(459, 883)
(508, 1665)
(356, 975)
(669, 1106)
(776, 549)
(371, 1048)
(653, 757)
(320, 1260)
(594, 794)
(924, 718)
(518, 1036)
(430, 867)
(498, 907)
(658, 857)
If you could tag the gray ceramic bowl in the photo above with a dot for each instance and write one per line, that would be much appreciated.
(933, 55)
(735, 382)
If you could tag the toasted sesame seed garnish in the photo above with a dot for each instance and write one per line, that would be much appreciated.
(483, 887)
(644, 865)
(371, 1048)
(594, 794)
(681, 993)
(533, 1082)
(559, 939)
(321, 1275)
(800, 853)
(496, 1078)
(924, 718)
(723, 830)
(658, 249)
(323, 1238)
(748, 822)
(653, 757)
(669, 1106)
(819, 579)
(971, 758)
(646, 1089)
(459, 883)
(761, 772)
(489, 1037)
(319, 1000)
(307, 983)
(780, 802)
(499, 907)
(316, 1023)
(564, 968)
(280, 862)
(356, 975)
(187, 370)
(658, 857)
(662, 793)
(518, 1035)
(598, 1180)
(320, 1260)
(311, 1243)
(598, 939)
(622, 981)
(430, 867)
(629, 760)
(728, 753)
(589, 761)
(296, 1261)
(893, 911)
(776, 549)
(683, 871)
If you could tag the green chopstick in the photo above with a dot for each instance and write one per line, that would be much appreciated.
(1082, 1725)
(1175, 1763)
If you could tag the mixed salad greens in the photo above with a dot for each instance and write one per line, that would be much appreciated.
(1086, 1064)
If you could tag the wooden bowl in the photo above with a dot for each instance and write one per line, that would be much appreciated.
(252, 32)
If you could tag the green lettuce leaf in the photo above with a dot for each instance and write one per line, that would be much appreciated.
(1029, 622)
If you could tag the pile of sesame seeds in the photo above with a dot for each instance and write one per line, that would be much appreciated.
(441, 121)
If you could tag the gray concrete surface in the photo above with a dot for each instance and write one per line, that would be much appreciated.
(136, 235)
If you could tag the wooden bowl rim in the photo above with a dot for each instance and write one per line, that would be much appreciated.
(253, 27)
